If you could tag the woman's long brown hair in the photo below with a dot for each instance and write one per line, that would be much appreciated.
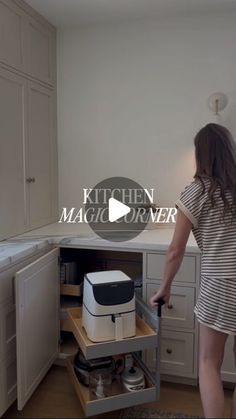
(215, 154)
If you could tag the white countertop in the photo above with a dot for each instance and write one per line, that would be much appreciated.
(12, 251)
(81, 236)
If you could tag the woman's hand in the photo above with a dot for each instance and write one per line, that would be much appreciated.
(163, 292)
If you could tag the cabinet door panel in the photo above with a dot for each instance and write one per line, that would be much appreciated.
(40, 51)
(7, 381)
(11, 34)
(8, 329)
(41, 156)
(228, 370)
(13, 217)
(156, 262)
(180, 311)
(177, 354)
(37, 322)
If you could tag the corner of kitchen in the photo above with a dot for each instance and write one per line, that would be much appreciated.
(78, 336)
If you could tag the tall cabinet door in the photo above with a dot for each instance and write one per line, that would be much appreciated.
(42, 155)
(37, 322)
(13, 191)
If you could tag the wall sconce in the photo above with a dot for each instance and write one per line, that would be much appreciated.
(217, 102)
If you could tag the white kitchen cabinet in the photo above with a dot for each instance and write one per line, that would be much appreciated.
(27, 42)
(40, 51)
(13, 189)
(179, 356)
(7, 328)
(28, 158)
(28, 161)
(156, 262)
(42, 156)
(12, 35)
(179, 313)
(37, 322)
(228, 370)
(8, 381)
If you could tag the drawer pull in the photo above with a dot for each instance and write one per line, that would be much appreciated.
(170, 306)
(169, 351)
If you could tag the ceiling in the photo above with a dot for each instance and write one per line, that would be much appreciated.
(77, 12)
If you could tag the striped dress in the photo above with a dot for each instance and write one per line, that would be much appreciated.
(216, 238)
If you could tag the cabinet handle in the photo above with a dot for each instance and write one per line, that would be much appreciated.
(170, 306)
(30, 179)
(169, 351)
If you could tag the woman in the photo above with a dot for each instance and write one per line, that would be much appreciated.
(208, 208)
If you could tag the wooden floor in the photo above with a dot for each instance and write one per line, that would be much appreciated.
(55, 398)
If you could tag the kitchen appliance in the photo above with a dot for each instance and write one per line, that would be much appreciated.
(133, 379)
(108, 306)
(83, 367)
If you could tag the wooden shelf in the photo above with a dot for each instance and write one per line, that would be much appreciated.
(69, 289)
(118, 400)
(145, 338)
(69, 345)
(65, 325)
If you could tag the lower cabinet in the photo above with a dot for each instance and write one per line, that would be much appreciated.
(7, 329)
(177, 353)
(29, 340)
(29, 337)
(178, 350)
(179, 313)
(228, 370)
(37, 322)
(29, 327)
(8, 381)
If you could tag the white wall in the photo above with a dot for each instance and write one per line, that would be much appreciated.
(131, 97)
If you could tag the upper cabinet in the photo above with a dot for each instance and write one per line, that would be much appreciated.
(40, 58)
(12, 27)
(13, 191)
(28, 123)
(27, 42)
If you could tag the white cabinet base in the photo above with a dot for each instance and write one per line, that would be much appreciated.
(37, 323)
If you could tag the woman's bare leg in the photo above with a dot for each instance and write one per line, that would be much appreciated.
(211, 355)
(233, 407)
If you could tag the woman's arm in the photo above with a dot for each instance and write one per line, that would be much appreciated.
(174, 257)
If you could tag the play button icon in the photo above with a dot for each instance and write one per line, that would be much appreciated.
(117, 209)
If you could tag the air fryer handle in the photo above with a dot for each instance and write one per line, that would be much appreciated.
(119, 332)
(160, 303)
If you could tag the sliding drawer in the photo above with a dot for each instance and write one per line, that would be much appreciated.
(179, 312)
(155, 267)
(145, 338)
(177, 354)
(65, 325)
(120, 400)
(71, 290)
